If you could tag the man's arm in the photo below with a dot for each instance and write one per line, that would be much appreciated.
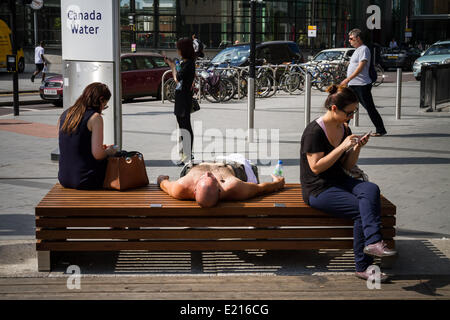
(241, 190)
(176, 189)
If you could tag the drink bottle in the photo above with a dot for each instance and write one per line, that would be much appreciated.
(278, 171)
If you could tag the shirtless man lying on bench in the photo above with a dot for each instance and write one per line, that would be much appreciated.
(228, 178)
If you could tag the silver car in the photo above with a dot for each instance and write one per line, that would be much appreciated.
(438, 53)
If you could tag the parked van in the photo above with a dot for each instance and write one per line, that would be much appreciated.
(6, 49)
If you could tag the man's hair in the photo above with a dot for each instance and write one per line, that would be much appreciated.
(355, 32)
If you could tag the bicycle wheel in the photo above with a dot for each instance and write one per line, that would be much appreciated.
(273, 86)
(294, 81)
(262, 86)
(380, 76)
(229, 88)
(169, 89)
(325, 81)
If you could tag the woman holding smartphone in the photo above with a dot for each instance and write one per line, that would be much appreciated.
(327, 147)
(184, 77)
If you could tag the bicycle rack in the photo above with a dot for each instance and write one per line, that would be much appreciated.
(162, 84)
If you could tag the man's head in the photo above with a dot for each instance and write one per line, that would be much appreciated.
(207, 190)
(354, 37)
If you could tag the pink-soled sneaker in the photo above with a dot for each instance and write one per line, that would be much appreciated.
(379, 249)
(366, 274)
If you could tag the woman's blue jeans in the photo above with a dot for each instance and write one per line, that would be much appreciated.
(360, 201)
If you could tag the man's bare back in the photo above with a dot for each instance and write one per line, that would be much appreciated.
(220, 176)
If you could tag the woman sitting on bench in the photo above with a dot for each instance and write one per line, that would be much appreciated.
(328, 146)
(82, 158)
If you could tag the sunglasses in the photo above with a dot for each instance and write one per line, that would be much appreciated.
(105, 107)
(351, 39)
(349, 114)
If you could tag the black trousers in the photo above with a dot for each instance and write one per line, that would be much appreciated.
(364, 94)
(187, 134)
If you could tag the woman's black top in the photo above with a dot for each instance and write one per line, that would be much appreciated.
(78, 169)
(315, 140)
(183, 93)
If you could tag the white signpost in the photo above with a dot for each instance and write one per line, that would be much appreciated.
(90, 33)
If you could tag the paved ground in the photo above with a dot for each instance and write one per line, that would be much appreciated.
(410, 164)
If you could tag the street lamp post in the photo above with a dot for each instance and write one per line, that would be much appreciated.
(251, 78)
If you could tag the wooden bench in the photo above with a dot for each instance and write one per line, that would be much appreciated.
(149, 219)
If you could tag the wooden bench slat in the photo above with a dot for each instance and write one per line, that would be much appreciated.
(196, 245)
(388, 233)
(201, 222)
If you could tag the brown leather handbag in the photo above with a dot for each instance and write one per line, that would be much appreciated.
(125, 170)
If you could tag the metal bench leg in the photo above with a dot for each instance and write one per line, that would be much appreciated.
(43, 258)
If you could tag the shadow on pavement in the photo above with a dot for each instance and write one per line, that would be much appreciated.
(17, 225)
(416, 258)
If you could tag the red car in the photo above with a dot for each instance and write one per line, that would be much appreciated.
(141, 76)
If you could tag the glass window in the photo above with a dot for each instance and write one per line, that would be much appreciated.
(127, 64)
(143, 62)
(438, 49)
(329, 55)
(158, 62)
(167, 40)
(144, 23)
(167, 6)
(144, 6)
(144, 39)
(237, 55)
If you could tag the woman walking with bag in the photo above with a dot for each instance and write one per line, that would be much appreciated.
(184, 75)
(327, 147)
(82, 159)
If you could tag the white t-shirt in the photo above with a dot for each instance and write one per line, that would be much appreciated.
(37, 55)
(361, 53)
(195, 44)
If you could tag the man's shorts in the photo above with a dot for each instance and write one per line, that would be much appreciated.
(39, 66)
(238, 169)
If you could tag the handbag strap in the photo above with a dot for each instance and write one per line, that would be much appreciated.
(125, 154)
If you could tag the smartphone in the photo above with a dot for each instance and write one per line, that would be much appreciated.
(365, 136)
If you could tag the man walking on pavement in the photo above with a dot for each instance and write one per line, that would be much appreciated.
(359, 81)
(40, 61)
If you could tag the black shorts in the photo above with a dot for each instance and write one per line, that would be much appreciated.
(39, 66)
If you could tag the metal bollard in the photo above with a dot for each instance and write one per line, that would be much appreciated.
(398, 101)
(307, 99)
(251, 107)
(356, 117)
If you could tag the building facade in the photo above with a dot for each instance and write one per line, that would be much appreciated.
(157, 24)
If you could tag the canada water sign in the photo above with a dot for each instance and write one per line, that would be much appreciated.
(86, 29)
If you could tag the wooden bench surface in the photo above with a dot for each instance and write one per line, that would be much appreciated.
(139, 202)
(76, 220)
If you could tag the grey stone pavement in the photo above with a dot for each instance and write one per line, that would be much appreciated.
(411, 165)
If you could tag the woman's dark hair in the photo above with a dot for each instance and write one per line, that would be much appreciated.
(340, 96)
(186, 48)
(92, 97)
